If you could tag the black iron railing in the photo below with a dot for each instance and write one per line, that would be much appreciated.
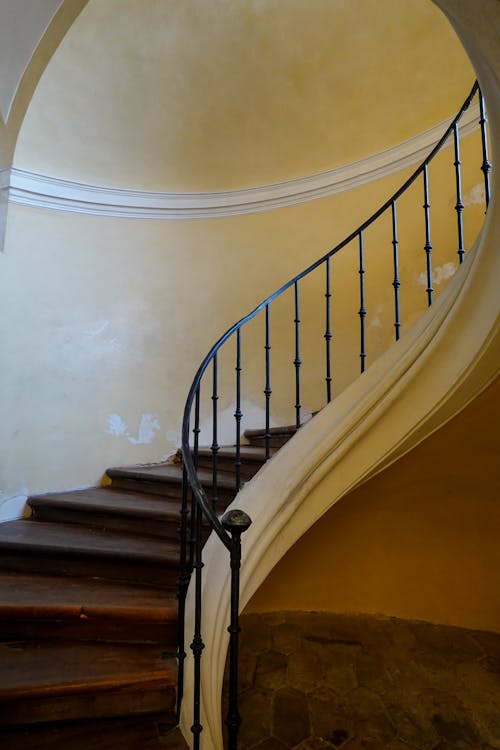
(198, 510)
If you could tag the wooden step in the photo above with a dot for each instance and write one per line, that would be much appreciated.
(77, 550)
(278, 436)
(252, 459)
(50, 607)
(109, 508)
(51, 682)
(166, 480)
(137, 733)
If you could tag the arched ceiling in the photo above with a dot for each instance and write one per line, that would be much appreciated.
(190, 95)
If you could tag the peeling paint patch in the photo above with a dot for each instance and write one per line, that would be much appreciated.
(116, 425)
(149, 426)
(100, 328)
(439, 274)
(375, 322)
(475, 196)
(12, 508)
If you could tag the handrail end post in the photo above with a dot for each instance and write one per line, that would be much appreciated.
(235, 522)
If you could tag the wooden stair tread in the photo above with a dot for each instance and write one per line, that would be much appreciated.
(40, 596)
(261, 432)
(108, 500)
(171, 473)
(31, 669)
(141, 733)
(76, 540)
(247, 453)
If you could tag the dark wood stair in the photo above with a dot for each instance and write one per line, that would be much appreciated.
(88, 610)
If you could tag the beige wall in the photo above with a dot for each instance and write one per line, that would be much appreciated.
(195, 96)
(419, 541)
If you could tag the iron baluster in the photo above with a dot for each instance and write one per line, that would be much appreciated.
(215, 445)
(196, 431)
(182, 587)
(236, 522)
(197, 644)
(428, 243)
(238, 414)
(486, 166)
(362, 309)
(459, 206)
(328, 332)
(396, 283)
(267, 389)
(297, 361)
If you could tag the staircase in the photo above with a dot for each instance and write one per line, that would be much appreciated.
(88, 613)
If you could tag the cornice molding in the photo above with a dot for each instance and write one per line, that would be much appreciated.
(44, 191)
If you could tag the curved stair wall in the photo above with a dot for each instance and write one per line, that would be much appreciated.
(418, 541)
(447, 357)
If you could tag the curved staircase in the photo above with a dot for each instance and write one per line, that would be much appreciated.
(88, 612)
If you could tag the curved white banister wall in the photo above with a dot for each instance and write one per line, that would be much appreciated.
(440, 365)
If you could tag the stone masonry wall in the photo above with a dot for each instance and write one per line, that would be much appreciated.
(321, 681)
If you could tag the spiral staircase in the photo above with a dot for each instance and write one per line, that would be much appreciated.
(100, 595)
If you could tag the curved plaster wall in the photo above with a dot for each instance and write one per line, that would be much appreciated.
(196, 96)
(448, 357)
(418, 541)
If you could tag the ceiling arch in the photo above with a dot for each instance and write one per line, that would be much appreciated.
(193, 96)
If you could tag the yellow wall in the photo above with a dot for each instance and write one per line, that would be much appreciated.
(418, 541)
(217, 95)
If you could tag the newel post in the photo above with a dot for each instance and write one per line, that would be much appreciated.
(236, 522)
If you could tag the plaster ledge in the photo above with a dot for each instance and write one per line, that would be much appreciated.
(45, 191)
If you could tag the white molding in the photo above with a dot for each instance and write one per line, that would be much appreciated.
(44, 191)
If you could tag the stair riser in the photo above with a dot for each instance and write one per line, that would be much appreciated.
(167, 530)
(247, 469)
(90, 705)
(275, 441)
(168, 491)
(85, 629)
(87, 566)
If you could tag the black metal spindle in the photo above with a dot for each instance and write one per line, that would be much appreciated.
(396, 282)
(267, 389)
(196, 428)
(197, 644)
(236, 522)
(428, 243)
(362, 309)
(182, 587)
(238, 414)
(459, 206)
(328, 331)
(297, 361)
(486, 166)
(196, 433)
(215, 445)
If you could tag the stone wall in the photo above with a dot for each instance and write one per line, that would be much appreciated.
(318, 681)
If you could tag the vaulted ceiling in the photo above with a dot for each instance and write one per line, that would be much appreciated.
(190, 95)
